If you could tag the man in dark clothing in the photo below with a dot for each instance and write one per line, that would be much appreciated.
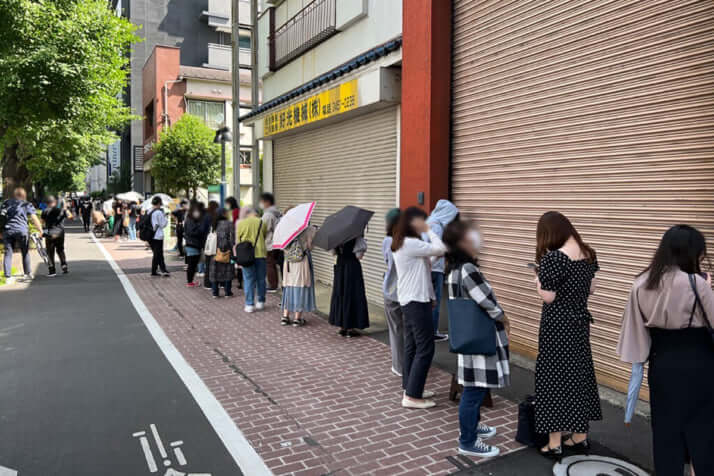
(87, 215)
(180, 215)
(271, 217)
(16, 232)
(53, 216)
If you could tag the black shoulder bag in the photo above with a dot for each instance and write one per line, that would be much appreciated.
(245, 250)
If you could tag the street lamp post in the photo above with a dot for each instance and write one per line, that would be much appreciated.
(223, 135)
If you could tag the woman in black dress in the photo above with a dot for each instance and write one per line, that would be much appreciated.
(566, 390)
(221, 273)
(348, 307)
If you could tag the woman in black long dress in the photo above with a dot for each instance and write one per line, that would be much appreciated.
(348, 307)
(567, 396)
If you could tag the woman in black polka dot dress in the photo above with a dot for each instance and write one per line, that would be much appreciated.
(566, 390)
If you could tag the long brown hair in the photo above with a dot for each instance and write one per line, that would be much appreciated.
(553, 231)
(404, 227)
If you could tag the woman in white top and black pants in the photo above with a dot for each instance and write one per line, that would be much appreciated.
(412, 259)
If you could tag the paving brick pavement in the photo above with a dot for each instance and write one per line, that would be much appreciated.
(310, 402)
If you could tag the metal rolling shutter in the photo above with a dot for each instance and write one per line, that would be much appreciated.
(601, 109)
(349, 163)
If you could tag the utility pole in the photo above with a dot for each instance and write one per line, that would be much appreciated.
(254, 97)
(235, 62)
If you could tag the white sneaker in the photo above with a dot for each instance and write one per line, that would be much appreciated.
(428, 394)
(249, 309)
(260, 306)
(394, 371)
(418, 404)
(10, 280)
(29, 277)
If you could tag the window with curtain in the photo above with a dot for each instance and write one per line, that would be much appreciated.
(212, 113)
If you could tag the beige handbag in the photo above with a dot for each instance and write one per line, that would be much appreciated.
(223, 256)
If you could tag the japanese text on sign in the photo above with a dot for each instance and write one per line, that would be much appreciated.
(326, 104)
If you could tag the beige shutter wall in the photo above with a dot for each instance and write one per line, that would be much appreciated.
(353, 162)
(600, 109)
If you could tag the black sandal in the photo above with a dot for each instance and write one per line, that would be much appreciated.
(555, 454)
(299, 322)
(582, 448)
(285, 321)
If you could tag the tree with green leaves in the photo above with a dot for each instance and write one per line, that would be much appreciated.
(63, 66)
(185, 157)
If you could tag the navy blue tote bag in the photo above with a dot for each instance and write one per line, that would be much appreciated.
(471, 330)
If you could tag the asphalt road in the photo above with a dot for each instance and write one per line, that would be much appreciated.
(84, 389)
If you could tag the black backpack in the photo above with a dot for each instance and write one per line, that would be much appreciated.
(146, 227)
(3, 218)
(245, 250)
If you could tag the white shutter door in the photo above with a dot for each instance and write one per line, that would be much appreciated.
(600, 109)
(348, 163)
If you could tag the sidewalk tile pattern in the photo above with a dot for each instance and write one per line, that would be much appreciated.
(310, 402)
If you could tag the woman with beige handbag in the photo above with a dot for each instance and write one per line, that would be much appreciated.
(221, 268)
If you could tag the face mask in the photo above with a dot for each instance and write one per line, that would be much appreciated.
(196, 215)
(475, 238)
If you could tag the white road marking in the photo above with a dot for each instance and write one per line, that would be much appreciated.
(157, 439)
(148, 455)
(233, 439)
(7, 471)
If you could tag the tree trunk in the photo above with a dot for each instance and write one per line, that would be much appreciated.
(14, 173)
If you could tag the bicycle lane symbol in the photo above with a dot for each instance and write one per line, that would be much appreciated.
(164, 457)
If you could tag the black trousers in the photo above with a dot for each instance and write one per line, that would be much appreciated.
(192, 262)
(179, 239)
(206, 281)
(56, 245)
(86, 220)
(418, 347)
(681, 378)
(157, 262)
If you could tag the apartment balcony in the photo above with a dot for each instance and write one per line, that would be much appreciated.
(219, 15)
(219, 57)
(308, 28)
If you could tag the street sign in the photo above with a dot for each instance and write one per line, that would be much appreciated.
(600, 465)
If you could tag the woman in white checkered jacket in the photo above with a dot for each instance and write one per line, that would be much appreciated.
(477, 373)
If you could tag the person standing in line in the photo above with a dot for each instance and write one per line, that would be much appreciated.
(222, 269)
(250, 229)
(668, 321)
(209, 221)
(233, 208)
(16, 232)
(348, 306)
(195, 235)
(271, 217)
(119, 211)
(53, 217)
(298, 279)
(392, 309)
(412, 259)
(444, 213)
(566, 390)
(477, 373)
(87, 215)
(133, 215)
(180, 215)
(158, 222)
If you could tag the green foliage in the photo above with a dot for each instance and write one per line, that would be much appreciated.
(185, 156)
(63, 66)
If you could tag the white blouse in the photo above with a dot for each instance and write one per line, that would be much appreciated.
(413, 265)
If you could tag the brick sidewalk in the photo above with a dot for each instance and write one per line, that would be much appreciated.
(310, 402)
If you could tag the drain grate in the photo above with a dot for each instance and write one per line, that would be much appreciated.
(596, 465)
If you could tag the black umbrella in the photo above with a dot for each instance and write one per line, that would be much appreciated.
(341, 227)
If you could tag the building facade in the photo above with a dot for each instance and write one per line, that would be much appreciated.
(199, 29)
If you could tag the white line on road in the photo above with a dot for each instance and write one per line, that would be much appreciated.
(235, 442)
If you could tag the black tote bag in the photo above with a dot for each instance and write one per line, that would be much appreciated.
(471, 329)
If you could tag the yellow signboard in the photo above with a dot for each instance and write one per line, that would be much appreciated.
(326, 104)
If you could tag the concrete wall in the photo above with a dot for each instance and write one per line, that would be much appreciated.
(382, 23)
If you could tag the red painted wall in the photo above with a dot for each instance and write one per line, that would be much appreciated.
(163, 65)
(426, 99)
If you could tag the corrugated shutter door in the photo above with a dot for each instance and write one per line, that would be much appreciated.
(603, 110)
(349, 163)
